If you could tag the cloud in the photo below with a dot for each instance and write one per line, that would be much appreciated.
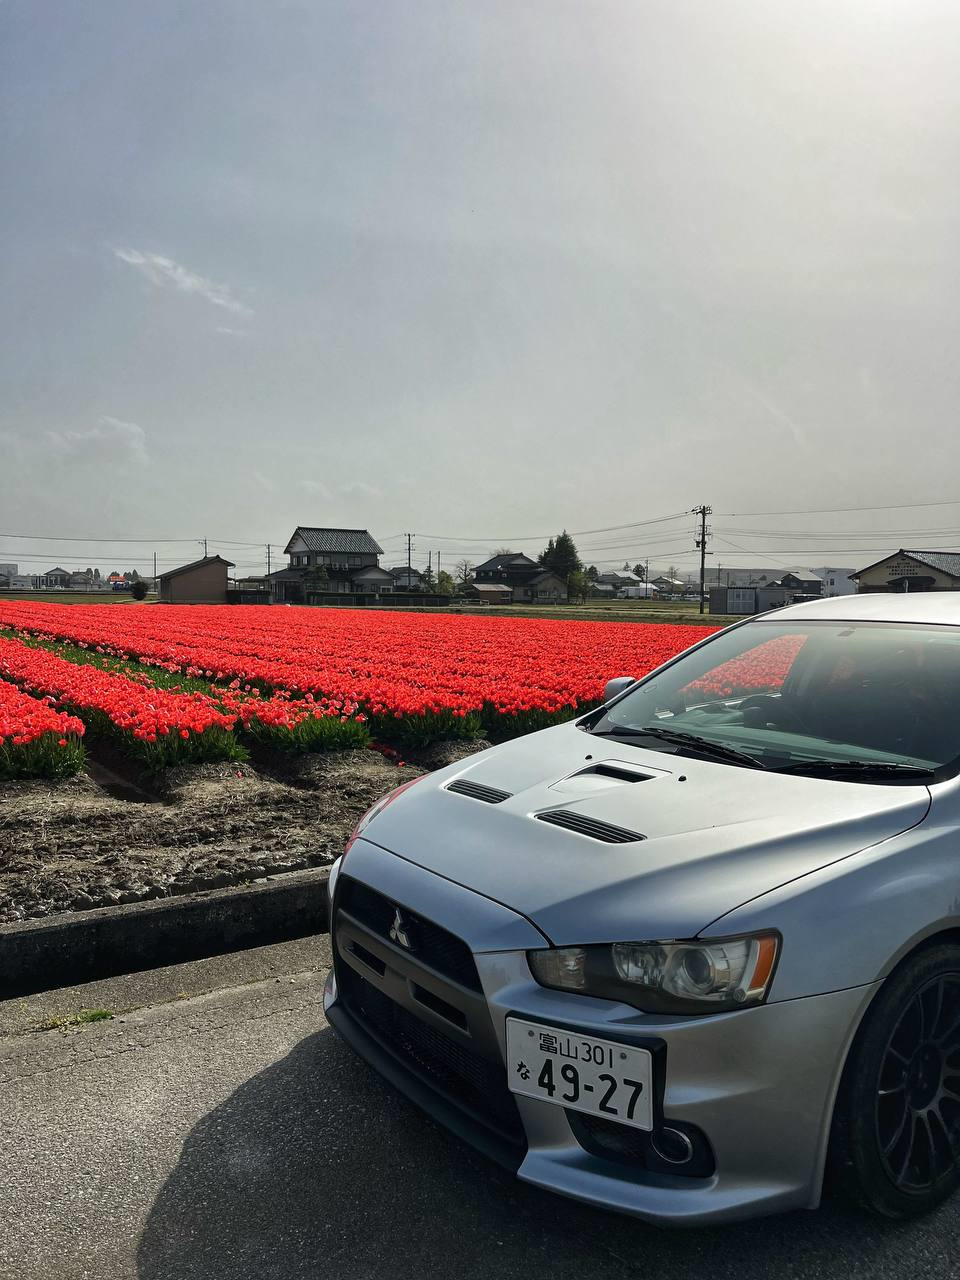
(314, 487)
(109, 441)
(164, 272)
(361, 489)
(232, 333)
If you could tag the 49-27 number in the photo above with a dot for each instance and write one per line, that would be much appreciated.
(570, 1076)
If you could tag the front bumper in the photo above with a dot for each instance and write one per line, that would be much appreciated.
(759, 1084)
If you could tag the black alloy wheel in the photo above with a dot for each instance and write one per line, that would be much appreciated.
(896, 1137)
(918, 1098)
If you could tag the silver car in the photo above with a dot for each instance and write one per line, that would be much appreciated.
(690, 953)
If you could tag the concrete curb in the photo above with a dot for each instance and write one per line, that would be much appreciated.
(61, 950)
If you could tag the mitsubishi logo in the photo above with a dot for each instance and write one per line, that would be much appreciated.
(399, 931)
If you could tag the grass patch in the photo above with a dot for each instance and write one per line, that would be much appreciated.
(79, 1019)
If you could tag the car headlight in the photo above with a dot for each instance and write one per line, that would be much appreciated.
(665, 977)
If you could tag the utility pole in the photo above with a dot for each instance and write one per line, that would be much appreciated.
(268, 559)
(154, 571)
(409, 538)
(438, 567)
(702, 511)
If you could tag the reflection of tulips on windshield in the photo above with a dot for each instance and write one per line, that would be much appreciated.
(762, 670)
(290, 677)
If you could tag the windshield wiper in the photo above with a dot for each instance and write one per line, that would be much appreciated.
(690, 741)
(864, 769)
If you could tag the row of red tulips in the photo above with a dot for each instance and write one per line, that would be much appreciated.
(417, 677)
(160, 727)
(35, 740)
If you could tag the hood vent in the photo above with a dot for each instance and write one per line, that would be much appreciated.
(477, 791)
(591, 827)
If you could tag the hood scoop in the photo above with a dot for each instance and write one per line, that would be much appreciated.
(604, 775)
(479, 791)
(590, 827)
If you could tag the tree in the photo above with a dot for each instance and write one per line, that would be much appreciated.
(444, 583)
(427, 579)
(626, 567)
(592, 573)
(673, 573)
(560, 556)
(96, 575)
(132, 576)
(578, 585)
(139, 590)
(641, 571)
(464, 571)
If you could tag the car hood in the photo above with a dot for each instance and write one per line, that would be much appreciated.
(714, 835)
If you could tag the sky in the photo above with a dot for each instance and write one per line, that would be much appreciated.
(479, 270)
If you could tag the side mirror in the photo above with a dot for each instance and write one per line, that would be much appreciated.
(616, 686)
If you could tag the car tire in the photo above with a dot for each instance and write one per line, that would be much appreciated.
(895, 1145)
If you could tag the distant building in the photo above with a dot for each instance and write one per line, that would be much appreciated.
(491, 592)
(9, 570)
(801, 582)
(911, 571)
(529, 582)
(330, 562)
(836, 582)
(407, 579)
(668, 586)
(202, 582)
(53, 580)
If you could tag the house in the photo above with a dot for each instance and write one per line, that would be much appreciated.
(800, 582)
(836, 582)
(508, 565)
(527, 579)
(623, 578)
(603, 590)
(202, 582)
(543, 587)
(911, 571)
(405, 578)
(491, 592)
(667, 586)
(330, 562)
(54, 580)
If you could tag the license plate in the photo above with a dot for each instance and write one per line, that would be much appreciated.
(600, 1077)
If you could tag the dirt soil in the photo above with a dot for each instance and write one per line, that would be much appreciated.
(101, 839)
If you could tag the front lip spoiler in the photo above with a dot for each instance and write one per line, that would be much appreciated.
(507, 1154)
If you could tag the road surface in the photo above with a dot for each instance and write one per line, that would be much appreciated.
(230, 1136)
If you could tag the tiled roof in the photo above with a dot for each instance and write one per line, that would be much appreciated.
(942, 561)
(348, 542)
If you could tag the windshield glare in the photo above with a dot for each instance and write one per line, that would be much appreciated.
(878, 693)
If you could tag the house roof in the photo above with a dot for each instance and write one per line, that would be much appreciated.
(499, 587)
(509, 558)
(349, 542)
(542, 577)
(402, 568)
(65, 572)
(942, 561)
(196, 564)
(805, 575)
(369, 571)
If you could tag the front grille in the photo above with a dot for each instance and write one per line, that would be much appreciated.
(591, 827)
(476, 1085)
(442, 951)
(478, 791)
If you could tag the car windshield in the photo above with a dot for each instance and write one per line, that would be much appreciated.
(855, 701)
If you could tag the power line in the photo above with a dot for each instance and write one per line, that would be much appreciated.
(818, 511)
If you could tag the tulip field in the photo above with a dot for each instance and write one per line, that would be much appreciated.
(165, 685)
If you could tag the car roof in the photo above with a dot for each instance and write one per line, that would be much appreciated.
(912, 606)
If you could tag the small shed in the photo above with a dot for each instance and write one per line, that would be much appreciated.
(491, 592)
(202, 582)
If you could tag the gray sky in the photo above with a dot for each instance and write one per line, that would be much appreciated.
(479, 269)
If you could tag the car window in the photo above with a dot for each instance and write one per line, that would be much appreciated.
(824, 691)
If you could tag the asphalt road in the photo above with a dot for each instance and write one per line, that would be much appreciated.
(231, 1136)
